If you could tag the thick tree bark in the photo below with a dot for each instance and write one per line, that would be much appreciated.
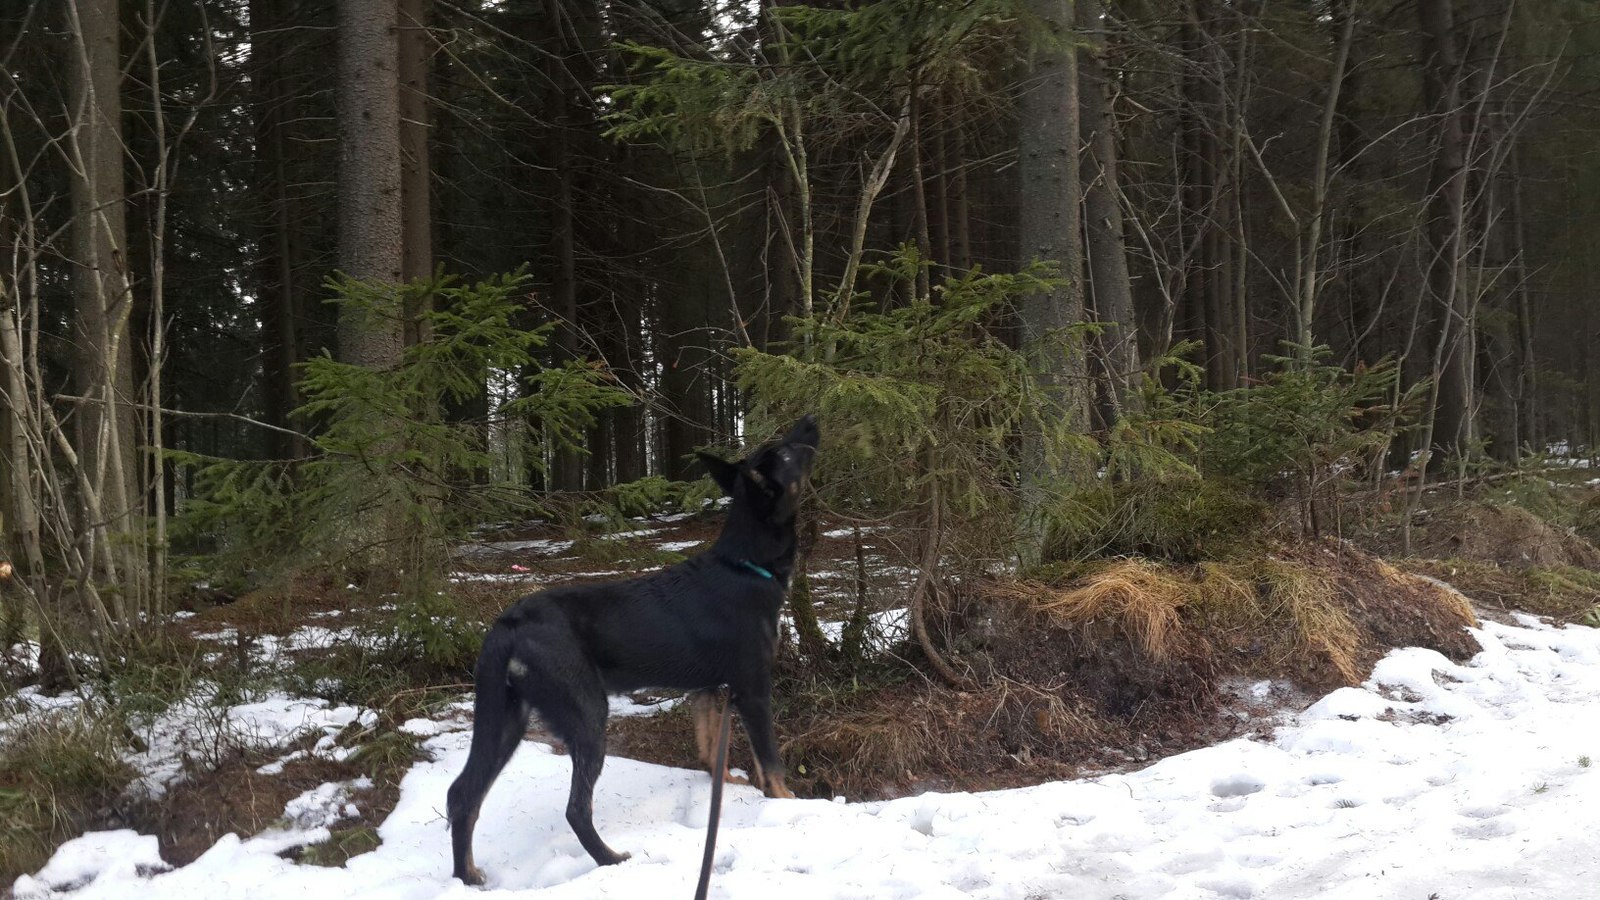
(371, 241)
(370, 211)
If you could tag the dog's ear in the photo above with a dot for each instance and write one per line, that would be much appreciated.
(724, 473)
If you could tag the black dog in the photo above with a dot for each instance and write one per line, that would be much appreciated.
(705, 622)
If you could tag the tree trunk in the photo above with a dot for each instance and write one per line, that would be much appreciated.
(1527, 384)
(19, 471)
(107, 425)
(960, 206)
(1109, 282)
(1452, 431)
(275, 106)
(415, 53)
(1208, 285)
(1048, 230)
(371, 237)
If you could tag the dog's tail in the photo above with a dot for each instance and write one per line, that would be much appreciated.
(497, 703)
(498, 723)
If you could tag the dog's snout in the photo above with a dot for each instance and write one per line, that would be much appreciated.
(805, 432)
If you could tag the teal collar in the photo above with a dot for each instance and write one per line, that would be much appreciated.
(756, 569)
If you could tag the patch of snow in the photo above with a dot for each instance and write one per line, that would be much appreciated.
(325, 805)
(498, 577)
(627, 706)
(1432, 778)
(847, 532)
(884, 628)
(543, 546)
(678, 546)
(180, 739)
(630, 535)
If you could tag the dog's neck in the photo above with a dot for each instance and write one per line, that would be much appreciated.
(757, 547)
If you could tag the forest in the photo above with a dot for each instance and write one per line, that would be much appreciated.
(1155, 345)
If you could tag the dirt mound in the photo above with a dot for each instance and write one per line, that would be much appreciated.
(1118, 663)
(1562, 593)
(1135, 631)
(1505, 535)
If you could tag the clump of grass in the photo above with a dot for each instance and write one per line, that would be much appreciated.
(1584, 762)
(342, 844)
(1322, 626)
(1143, 598)
(1316, 612)
(57, 775)
(1566, 593)
(872, 743)
(387, 757)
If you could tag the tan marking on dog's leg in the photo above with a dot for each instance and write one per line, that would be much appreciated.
(474, 876)
(775, 788)
(703, 708)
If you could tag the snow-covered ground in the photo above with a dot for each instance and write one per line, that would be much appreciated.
(1432, 780)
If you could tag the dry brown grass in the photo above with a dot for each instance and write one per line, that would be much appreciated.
(1142, 597)
(57, 777)
(1316, 612)
(1115, 661)
(1563, 593)
(918, 735)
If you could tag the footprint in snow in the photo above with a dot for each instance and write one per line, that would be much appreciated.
(1238, 785)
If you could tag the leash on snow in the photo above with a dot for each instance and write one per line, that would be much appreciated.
(719, 774)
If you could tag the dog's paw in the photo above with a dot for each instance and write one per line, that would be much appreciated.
(615, 858)
(472, 877)
(777, 790)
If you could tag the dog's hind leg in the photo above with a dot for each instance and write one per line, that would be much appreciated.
(500, 719)
(571, 699)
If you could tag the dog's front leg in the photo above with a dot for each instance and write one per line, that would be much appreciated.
(755, 710)
(705, 710)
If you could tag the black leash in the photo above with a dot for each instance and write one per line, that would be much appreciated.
(719, 774)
